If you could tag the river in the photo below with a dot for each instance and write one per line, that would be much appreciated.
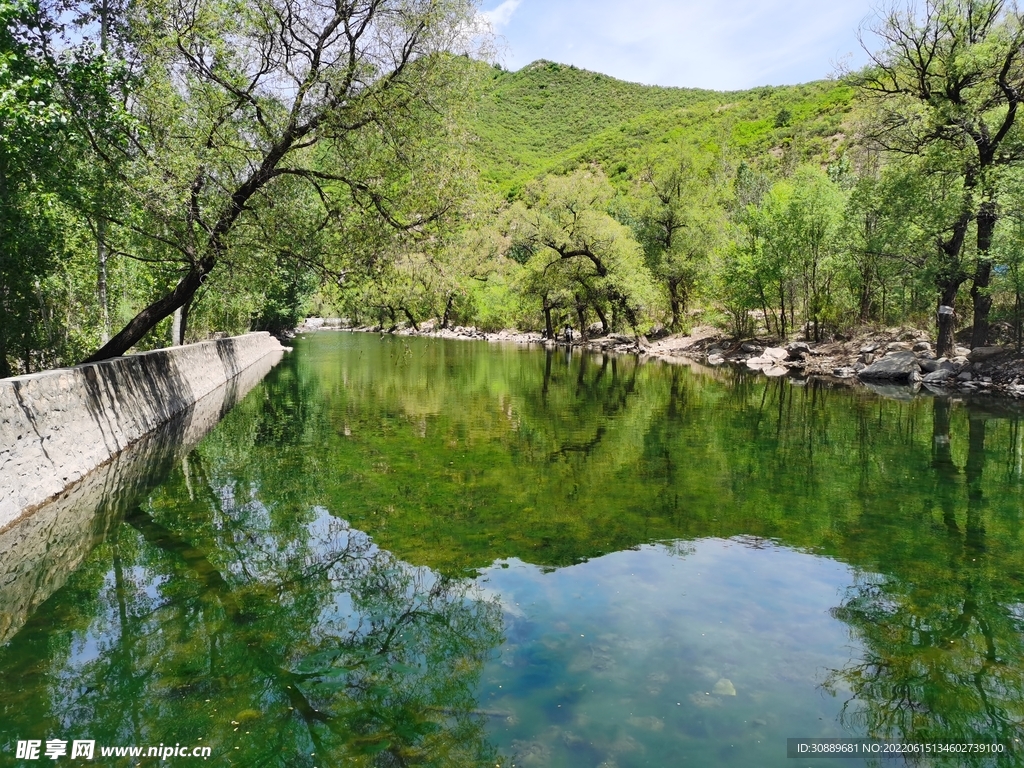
(408, 551)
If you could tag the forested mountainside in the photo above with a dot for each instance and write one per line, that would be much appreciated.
(156, 193)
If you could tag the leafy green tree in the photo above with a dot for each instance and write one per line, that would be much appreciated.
(582, 258)
(682, 223)
(235, 98)
(949, 79)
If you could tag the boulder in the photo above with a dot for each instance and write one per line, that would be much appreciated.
(715, 360)
(938, 376)
(798, 350)
(979, 354)
(897, 346)
(776, 353)
(749, 348)
(961, 351)
(923, 346)
(929, 366)
(965, 376)
(896, 367)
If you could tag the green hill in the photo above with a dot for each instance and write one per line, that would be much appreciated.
(549, 117)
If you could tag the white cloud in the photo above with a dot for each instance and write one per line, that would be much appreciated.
(502, 15)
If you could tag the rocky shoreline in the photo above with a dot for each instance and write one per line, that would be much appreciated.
(893, 357)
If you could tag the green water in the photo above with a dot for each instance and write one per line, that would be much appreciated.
(414, 552)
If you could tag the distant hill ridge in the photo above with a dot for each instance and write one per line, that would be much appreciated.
(549, 117)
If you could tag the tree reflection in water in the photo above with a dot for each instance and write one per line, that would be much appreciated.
(943, 637)
(271, 640)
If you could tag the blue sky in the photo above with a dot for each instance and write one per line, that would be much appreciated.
(723, 44)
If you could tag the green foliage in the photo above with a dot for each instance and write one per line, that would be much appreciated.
(550, 118)
(583, 259)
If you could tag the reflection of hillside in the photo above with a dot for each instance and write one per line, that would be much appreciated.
(554, 459)
(500, 452)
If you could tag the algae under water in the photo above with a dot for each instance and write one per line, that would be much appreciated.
(422, 552)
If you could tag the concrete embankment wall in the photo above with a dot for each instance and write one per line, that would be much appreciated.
(57, 426)
(38, 553)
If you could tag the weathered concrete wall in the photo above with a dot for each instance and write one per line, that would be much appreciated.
(57, 426)
(38, 553)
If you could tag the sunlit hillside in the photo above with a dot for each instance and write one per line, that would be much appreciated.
(549, 117)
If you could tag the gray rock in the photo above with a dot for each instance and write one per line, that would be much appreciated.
(965, 376)
(843, 373)
(897, 346)
(978, 354)
(897, 367)
(959, 362)
(715, 360)
(914, 377)
(750, 348)
(938, 376)
(961, 351)
(923, 346)
(868, 348)
(776, 353)
(929, 366)
(867, 358)
(798, 350)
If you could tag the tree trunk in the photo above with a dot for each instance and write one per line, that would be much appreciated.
(549, 329)
(412, 319)
(983, 274)
(581, 317)
(101, 280)
(605, 328)
(946, 322)
(675, 303)
(163, 307)
(447, 311)
(179, 325)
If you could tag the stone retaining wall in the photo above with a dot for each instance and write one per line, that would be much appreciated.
(57, 426)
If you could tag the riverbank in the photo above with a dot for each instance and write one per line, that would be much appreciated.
(900, 357)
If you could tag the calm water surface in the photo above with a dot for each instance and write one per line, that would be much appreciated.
(414, 552)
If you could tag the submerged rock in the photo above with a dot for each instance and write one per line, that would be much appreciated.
(896, 367)
(724, 687)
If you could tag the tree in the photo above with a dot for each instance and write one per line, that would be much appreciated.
(950, 79)
(235, 98)
(581, 258)
(681, 223)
